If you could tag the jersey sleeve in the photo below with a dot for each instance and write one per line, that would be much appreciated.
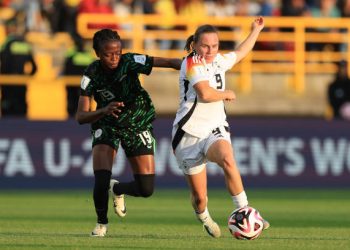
(196, 71)
(139, 63)
(86, 82)
(228, 60)
(85, 89)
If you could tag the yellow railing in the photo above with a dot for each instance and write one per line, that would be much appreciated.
(296, 63)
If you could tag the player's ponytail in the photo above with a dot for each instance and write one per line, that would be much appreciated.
(188, 46)
(102, 36)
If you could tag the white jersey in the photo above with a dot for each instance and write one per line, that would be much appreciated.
(195, 117)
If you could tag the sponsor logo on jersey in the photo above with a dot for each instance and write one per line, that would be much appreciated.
(84, 82)
(122, 78)
(140, 59)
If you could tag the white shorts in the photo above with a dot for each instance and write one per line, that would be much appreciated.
(191, 151)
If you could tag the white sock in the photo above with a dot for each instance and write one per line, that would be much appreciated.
(204, 216)
(240, 200)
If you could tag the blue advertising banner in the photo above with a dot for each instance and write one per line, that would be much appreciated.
(270, 152)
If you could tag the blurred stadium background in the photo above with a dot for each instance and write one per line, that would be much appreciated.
(284, 129)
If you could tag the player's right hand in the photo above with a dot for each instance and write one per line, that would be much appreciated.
(230, 95)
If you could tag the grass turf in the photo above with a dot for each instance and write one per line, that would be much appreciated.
(300, 219)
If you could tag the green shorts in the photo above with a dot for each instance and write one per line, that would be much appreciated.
(133, 143)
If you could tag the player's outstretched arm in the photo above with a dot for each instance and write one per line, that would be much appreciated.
(162, 62)
(247, 45)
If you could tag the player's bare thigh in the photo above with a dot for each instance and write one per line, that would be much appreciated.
(221, 152)
(142, 164)
(103, 157)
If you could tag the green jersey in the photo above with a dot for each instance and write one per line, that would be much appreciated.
(122, 85)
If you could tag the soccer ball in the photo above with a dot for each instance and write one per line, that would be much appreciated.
(245, 223)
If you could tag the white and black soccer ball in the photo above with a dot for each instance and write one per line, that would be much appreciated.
(245, 223)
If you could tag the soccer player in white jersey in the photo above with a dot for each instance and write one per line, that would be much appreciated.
(200, 130)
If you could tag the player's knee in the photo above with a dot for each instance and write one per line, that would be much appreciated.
(145, 184)
(227, 162)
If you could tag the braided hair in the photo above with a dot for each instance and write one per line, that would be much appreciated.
(195, 38)
(103, 36)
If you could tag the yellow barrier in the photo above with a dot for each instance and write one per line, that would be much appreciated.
(296, 62)
(46, 96)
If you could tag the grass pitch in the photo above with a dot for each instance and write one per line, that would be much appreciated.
(300, 219)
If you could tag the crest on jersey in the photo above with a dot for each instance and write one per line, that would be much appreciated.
(84, 82)
(98, 133)
(140, 59)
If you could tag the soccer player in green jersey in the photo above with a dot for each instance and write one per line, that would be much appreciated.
(124, 115)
